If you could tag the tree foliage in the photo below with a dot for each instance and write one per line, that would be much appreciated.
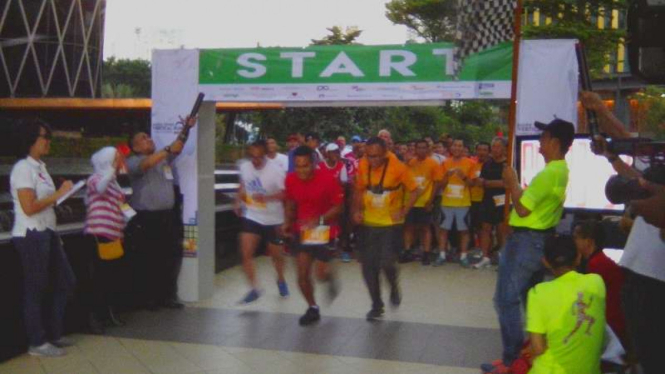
(652, 111)
(432, 20)
(119, 75)
(338, 36)
(578, 19)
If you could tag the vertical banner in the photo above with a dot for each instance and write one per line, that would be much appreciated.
(548, 83)
(174, 89)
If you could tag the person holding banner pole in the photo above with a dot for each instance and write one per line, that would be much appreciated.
(536, 212)
(314, 200)
(152, 235)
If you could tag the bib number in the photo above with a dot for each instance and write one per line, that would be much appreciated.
(168, 172)
(128, 211)
(500, 200)
(319, 235)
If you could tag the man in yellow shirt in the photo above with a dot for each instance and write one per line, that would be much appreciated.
(565, 317)
(457, 178)
(428, 174)
(477, 191)
(536, 212)
(385, 192)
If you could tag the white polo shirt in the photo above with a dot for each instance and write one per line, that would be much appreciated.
(32, 174)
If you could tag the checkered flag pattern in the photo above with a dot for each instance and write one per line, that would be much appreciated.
(482, 24)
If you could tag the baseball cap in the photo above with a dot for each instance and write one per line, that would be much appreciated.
(292, 137)
(332, 147)
(560, 129)
(356, 139)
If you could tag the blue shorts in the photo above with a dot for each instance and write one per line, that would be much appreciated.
(454, 215)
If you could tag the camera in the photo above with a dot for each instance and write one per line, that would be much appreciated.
(621, 190)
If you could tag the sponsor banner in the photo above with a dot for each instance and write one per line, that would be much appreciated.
(320, 74)
(178, 68)
(547, 85)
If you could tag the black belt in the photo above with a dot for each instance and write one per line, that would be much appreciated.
(526, 229)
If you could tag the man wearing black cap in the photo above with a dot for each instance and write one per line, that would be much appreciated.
(536, 212)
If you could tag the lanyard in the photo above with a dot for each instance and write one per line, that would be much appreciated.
(378, 188)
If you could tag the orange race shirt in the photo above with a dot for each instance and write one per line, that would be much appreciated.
(478, 192)
(426, 173)
(380, 202)
(456, 193)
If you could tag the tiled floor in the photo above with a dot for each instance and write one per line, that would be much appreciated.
(446, 324)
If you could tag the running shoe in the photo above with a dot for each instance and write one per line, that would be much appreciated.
(283, 288)
(426, 261)
(375, 314)
(63, 342)
(251, 297)
(346, 257)
(46, 350)
(440, 261)
(483, 264)
(395, 298)
(312, 315)
(464, 262)
(406, 257)
(496, 367)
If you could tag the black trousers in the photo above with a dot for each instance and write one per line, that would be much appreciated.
(379, 248)
(154, 246)
(643, 301)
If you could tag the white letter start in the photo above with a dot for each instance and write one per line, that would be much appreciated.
(342, 64)
(257, 71)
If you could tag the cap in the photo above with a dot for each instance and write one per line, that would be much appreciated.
(356, 139)
(560, 129)
(332, 147)
(292, 137)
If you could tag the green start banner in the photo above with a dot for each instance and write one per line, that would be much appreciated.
(353, 74)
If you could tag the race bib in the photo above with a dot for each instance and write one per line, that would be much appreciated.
(128, 211)
(254, 204)
(420, 181)
(378, 201)
(319, 235)
(168, 173)
(454, 191)
(500, 200)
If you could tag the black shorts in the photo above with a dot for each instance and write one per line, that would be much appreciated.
(490, 213)
(267, 232)
(419, 217)
(475, 214)
(323, 253)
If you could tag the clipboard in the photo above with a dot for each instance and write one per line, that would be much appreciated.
(69, 194)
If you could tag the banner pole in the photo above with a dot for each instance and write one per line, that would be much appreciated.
(512, 115)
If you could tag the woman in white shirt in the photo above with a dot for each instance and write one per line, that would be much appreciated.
(44, 262)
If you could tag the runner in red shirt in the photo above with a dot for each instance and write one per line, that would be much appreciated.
(333, 164)
(313, 202)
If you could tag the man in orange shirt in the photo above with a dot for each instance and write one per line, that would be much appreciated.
(457, 177)
(385, 192)
(428, 174)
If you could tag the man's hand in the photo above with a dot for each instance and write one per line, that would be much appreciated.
(65, 187)
(398, 215)
(429, 206)
(599, 146)
(509, 176)
(592, 101)
(310, 224)
(237, 208)
(285, 230)
(358, 218)
(260, 198)
(653, 208)
(189, 121)
(176, 147)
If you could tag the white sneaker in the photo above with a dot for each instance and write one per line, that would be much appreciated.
(483, 264)
(46, 350)
(63, 342)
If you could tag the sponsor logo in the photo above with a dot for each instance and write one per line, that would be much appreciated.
(482, 86)
(267, 89)
(231, 95)
(323, 88)
(321, 96)
(357, 88)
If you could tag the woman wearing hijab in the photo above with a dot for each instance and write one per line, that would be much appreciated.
(45, 265)
(105, 222)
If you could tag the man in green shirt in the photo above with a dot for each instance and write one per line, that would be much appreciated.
(536, 212)
(565, 317)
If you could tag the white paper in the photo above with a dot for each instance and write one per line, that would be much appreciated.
(74, 190)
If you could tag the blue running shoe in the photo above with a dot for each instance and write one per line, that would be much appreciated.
(283, 289)
(346, 257)
(251, 297)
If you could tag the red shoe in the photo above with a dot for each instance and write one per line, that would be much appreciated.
(496, 367)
